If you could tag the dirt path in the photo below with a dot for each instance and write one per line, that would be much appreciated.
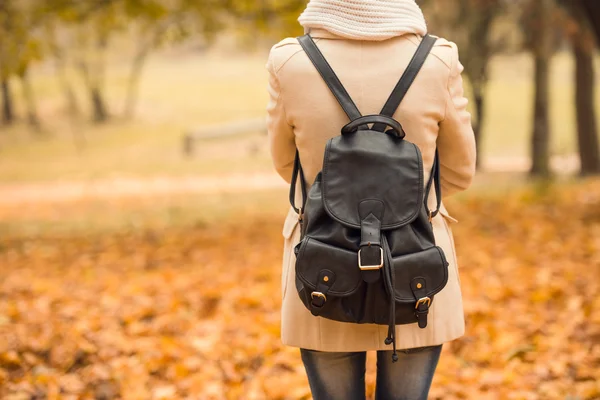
(57, 192)
(65, 191)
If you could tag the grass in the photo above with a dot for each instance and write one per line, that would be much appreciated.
(182, 91)
(177, 95)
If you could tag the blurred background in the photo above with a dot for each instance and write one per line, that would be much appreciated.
(140, 218)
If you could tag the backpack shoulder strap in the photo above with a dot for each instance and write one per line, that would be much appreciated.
(393, 102)
(408, 77)
(341, 95)
(330, 78)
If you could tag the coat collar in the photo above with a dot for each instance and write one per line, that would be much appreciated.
(322, 34)
(319, 33)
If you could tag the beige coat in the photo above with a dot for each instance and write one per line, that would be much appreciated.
(302, 112)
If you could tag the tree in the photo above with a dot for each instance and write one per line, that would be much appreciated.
(30, 52)
(159, 23)
(273, 19)
(94, 33)
(156, 24)
(7, 53)
(20, 47)
(58, 51)
(582, 35)
(153, 21)
(470, 23)
(538, 23)
(8, 115)
(92, 25)
(592, 10)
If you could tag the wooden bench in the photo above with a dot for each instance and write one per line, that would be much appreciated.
(221, 131)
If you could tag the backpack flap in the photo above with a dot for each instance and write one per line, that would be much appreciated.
(370, 165)
(419, 275)
(334, 268)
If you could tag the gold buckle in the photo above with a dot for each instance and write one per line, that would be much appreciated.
(423, 300)
(370, 267)
(301, 214)
(318, 294)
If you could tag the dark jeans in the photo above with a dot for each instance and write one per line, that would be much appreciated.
(341, 376)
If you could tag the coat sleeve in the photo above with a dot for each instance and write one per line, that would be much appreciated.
(456, 140)
(280, 132)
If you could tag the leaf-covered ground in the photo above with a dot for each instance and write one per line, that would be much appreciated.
(193, 312)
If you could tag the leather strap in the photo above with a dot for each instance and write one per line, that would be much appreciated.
(330, 78)
(319, 295)
(342, 97)
(295, 172)
(434, 180)
(394, 125)
(370, 247)
(407, 79)
(393, 102)
(419, 288)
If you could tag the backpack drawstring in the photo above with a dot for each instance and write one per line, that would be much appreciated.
(388, 273)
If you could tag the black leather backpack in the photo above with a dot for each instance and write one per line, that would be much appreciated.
(367, 252)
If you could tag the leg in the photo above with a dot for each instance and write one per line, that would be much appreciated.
(335, 376)
(409, 378)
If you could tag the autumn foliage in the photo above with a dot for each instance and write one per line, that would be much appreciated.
(193, 312)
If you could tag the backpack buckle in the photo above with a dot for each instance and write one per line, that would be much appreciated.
(318, 300)
(373, 266)
(421, 311)
(318, 295)
(425, 301)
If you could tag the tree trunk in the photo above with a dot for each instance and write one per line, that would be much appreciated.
(588, 17)
(591, 8)
(134, 82)
(478, 99)
(98, 105)
(478, 20)
(587, 131)
(32, 115)
(93, 75)
(540, 138)
(73, 108)
(8, 115)
(140, 60)
(99, 110)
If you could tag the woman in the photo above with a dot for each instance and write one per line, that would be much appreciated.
(369, 44)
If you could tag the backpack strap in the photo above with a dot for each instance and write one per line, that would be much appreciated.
(341, 95)
(407, 79)
(434, 180)
(292, 195)
(330, 78)
(393, 102)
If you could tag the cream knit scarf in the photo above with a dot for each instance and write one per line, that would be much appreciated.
(364, 19)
